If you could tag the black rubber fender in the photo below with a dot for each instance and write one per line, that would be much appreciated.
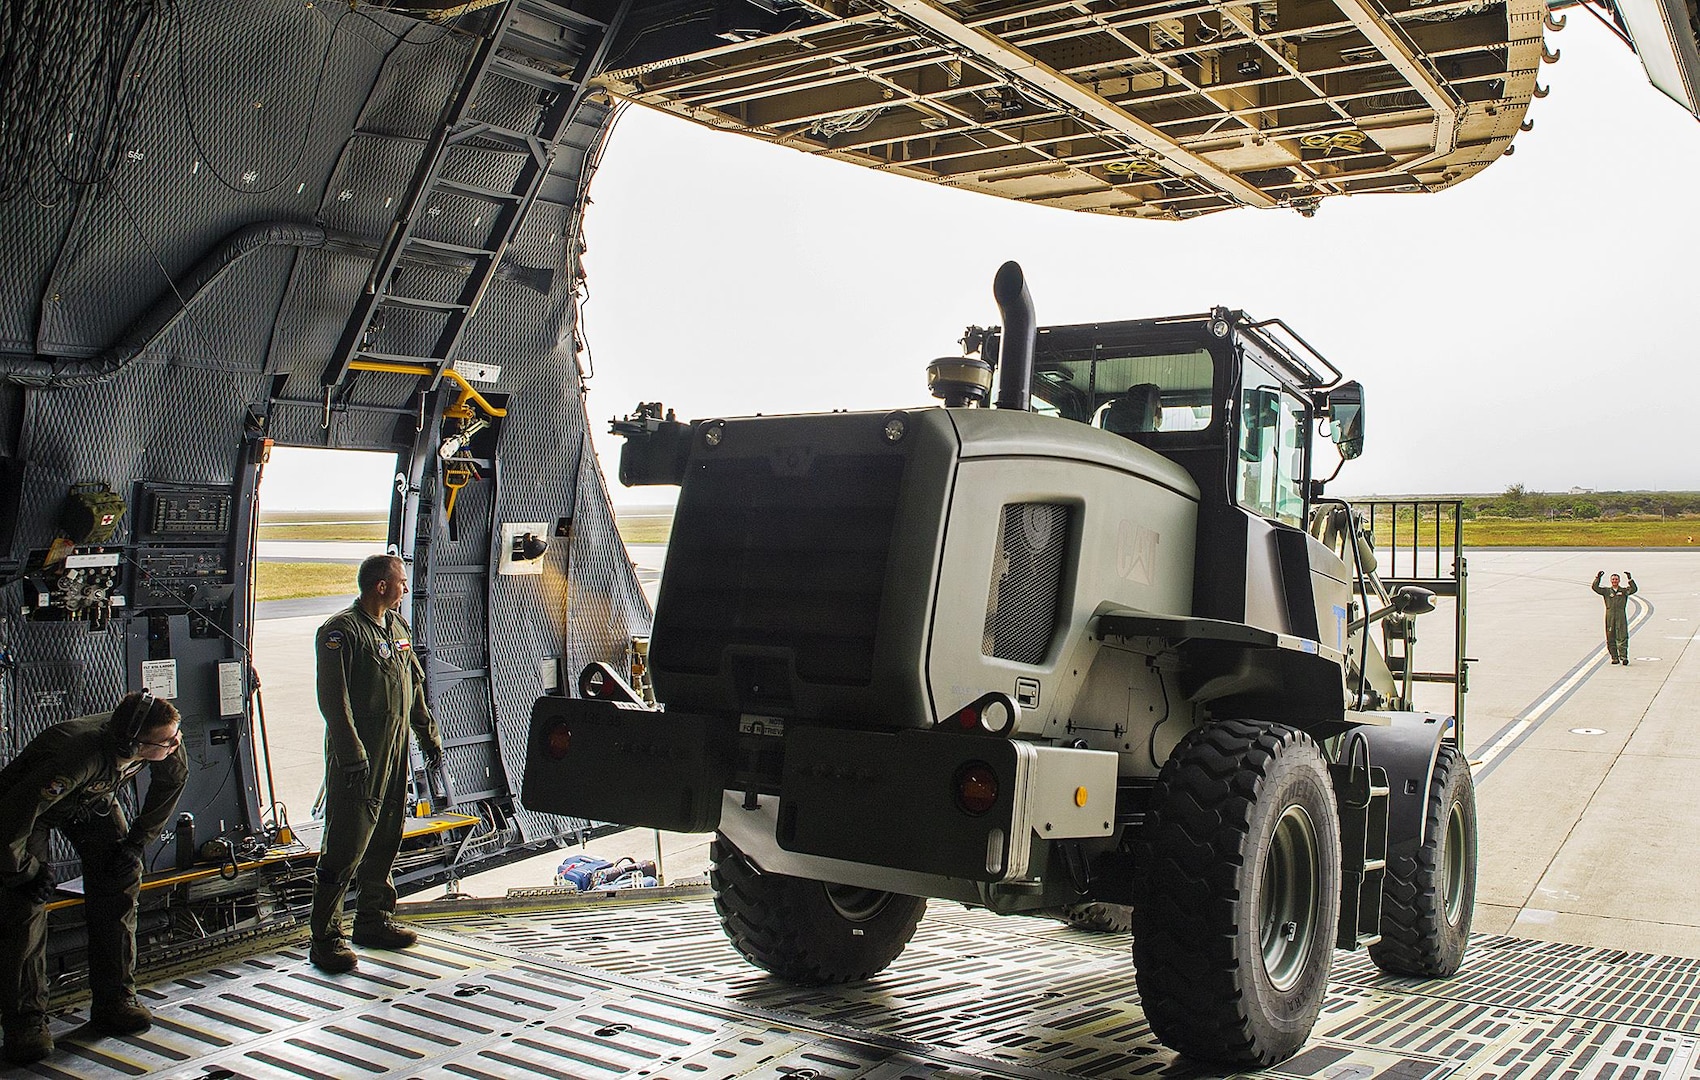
(1407, 749)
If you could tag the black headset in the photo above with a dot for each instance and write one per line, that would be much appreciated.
(131, 732)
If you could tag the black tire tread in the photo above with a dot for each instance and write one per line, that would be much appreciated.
(1099, 917)
(1411, 905)
(1185, 947)
(773, 921)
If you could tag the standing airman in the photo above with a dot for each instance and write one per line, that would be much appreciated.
(1617, 614)
(371, 688)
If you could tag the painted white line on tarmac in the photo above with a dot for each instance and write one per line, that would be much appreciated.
(1538, 712)
(1554, 697)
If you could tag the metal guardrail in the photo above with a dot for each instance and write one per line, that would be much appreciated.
(1421, 542)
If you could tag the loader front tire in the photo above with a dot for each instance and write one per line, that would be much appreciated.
(1237, 893)
(1430, 890)
(806, 931)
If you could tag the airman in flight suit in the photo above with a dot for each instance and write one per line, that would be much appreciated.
(68, 778)
(1617, 614)
(371, 688)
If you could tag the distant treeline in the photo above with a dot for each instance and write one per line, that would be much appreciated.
(1518, 503)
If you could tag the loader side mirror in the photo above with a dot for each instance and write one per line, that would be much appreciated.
(1346, 418)
(1411, 600)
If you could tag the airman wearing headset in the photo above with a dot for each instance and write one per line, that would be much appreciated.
(68, 778)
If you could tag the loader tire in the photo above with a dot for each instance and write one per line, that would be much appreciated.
(807, 931)
(1099, 917)
(1430, 890)
(1237, 893)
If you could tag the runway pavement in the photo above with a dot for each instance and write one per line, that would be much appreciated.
(1588, 804)
(1590, 812)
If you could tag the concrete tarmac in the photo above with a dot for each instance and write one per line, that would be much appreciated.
(1588, 806)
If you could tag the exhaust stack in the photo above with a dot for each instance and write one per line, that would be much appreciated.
(1020, 330)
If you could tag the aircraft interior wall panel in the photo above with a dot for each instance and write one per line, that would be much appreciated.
(422, 73)
(217, 143)
(459, 715)
(221, 331)
(453, 626)
(58, 670)
(30, 241)
(370, 178)
(581, 608)
(155, 420)
(264, 149)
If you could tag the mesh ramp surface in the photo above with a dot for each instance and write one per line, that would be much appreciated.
(653, 989)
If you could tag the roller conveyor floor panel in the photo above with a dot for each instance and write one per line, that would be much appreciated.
(653, 989)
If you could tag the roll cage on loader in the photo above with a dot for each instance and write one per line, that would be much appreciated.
(1101, 643)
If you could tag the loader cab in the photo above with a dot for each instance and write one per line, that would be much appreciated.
(1235, 401)
(1216, 392)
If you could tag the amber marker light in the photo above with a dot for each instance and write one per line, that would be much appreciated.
(976, 787)
(1080, 796)
(560, 741)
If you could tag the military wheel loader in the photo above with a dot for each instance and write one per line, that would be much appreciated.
(1097, 638)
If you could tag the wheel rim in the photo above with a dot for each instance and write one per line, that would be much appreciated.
(1289, 901)
(1452, 865)
(856, 904)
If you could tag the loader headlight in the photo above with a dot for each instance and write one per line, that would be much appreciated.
(976, 787)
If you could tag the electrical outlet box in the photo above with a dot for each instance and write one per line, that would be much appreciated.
(512, 533)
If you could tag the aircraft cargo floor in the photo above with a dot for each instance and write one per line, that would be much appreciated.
(652, 988)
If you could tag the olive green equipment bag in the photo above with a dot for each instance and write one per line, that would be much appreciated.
(91, 514)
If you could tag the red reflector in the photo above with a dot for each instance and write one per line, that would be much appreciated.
(560, 741)
(976, 787)
(968, 719)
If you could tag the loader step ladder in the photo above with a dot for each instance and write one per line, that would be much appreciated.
(1421, 543)
(1361, 795)
(523, 82)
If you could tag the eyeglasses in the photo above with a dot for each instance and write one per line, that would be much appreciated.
(175, 741)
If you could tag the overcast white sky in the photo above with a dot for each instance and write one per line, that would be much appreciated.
(1529, 325)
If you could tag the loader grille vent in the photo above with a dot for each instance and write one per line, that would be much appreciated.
(791, 564)
(1027, 574)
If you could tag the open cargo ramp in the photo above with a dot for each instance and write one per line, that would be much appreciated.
(650, 987)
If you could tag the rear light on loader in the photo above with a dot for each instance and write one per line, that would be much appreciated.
(976, 787)
(993, 714)
(560, 741)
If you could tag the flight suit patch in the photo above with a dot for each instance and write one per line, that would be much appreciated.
(55, 789)
(333, 640)
(383, 650)
(403, 644)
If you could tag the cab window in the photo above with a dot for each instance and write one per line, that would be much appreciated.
(1128, 394)
(1270, 464)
